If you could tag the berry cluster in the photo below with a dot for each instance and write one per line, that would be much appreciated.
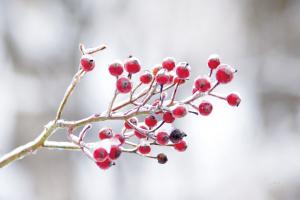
(145, 112)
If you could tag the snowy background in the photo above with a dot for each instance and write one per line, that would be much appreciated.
(247, 153)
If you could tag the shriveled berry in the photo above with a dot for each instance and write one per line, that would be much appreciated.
(105, 133)
(213, 61)
(141, 134)
(124, 85)
(233, 99)
(114, 152)
(132, 65)
(179, 111)
(162, 138)
(176, 135)
(202, 83)
(155, 69)
(150, 121)
(205, 108)
(144, 148)
(183, 70)
(146, 77)
(100, 154)
(168, 117)
(181, 146)
(168, 63)
(133, 121)
(87, 62)
(120, 138)
(162, 78)
(224, 73)
(179, 81)
(107, 163)
(116, 68)
(162, 158)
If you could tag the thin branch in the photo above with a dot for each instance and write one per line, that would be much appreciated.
(61, 145)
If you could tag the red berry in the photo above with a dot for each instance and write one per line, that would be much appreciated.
(104, 164)
(141, 134)
(144, 148)
(100, 154)
(162, 158)
(162, 138)
(87, 62)
(133, 121)
(194, 90)
(233, 99)
(162, 78)
(114, 152)
(124, 85)
(213, 61)
(203, 84)
(168, 63)
(205, 108)
(224, 73)
(179, 80)
(105, 133)
(150, 121)
(146, 77)
(116, 68)
(179, 111)
(132, 65)
(120, 138)
(183, 70)
(168, 117)
(181, 146)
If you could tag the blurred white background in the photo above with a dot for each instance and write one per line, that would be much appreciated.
(251, 152)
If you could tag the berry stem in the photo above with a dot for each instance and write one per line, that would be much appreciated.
(217, 96)
(174, 94)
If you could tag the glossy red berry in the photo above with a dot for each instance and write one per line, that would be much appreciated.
(150, 121)
(116, 68)
(183, 70)
(141, 134)
(224, 73)
(115, 152)
(120, 138)
(132, 65)
(144, 148)
(100, 154)
(213, 61)
(180, 146)
(168, 63)
(233, 99)
(162, 78)
(205, 108)
(146, 77)
(105, 133)
(203, 84)
(107, 163)
(168, 117)
(87, 62)
(179, 111)
(162, 158)
(162, 138)
(124, 85)
(133, 121)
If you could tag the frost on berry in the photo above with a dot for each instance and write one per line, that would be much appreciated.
(152, 106)
(87, 62)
